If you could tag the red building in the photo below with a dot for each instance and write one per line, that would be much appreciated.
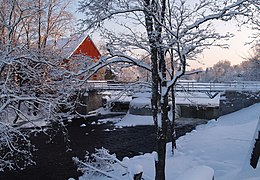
(87, 48)
(77, 48)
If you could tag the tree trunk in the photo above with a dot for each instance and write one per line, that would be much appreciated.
(172, 122)
(154, 31)
(160, 164)
(39, 24)
(154, 64)
(162, 131)
(161, 141)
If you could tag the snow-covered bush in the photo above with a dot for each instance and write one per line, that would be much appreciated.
(15, 148)
(103, 164)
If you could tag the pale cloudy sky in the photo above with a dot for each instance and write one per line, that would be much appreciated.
(236, 53)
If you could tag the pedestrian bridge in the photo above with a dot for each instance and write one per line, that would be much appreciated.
(182, 86)
(233, 95)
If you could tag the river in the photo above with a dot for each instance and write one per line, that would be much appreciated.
(54, 162)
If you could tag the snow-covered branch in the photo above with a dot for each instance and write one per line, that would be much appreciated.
(113, 58)
(13, 144)
(98, 12)
(239, 7)
(100, 163)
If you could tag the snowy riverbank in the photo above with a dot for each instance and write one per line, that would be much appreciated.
(223, 145)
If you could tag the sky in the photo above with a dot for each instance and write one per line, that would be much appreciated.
(238, 49)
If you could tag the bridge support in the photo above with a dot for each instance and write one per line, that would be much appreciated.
(89, 101)
(201, 112)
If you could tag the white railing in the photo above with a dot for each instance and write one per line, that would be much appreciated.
(180, 86)
(217, 87)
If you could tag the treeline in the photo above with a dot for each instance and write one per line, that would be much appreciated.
(223, 71)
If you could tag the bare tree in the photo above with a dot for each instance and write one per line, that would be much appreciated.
(256, 23)
(177, 27)
(58, 20)
(249, 68)
(32, 85)
(42, 20)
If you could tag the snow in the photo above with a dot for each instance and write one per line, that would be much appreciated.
(130, 120)
(246, 170)
(133, 120)
(182, 98)
(135, 169)
(108, 120)
(221, 146)
(107, 130)
(40, 122)
(103, 111)
(67, 45)
(141, 102)
(142, 94)
(155, 155)
(120, 96)
(83, 125)
(198, 173)
(197, 98)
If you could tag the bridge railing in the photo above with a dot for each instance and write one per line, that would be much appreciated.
(106, 85)
(217, 87)
(180, 86)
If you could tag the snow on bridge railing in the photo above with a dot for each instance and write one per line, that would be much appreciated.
(111, 85)
(217, 87)
(180, 86)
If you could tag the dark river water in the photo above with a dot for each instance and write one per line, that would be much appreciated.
(54, 163)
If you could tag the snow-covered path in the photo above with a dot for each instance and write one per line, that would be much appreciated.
(222, 145)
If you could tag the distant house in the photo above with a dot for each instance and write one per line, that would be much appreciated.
(79, 47)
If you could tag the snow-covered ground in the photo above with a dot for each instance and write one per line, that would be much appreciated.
(194, 98)
(134, 120)
(222, 145)
(197, 98)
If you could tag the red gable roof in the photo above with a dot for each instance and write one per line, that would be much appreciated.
(87, 48)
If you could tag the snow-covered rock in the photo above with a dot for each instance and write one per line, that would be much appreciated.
(140, 106)
(83, 125)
